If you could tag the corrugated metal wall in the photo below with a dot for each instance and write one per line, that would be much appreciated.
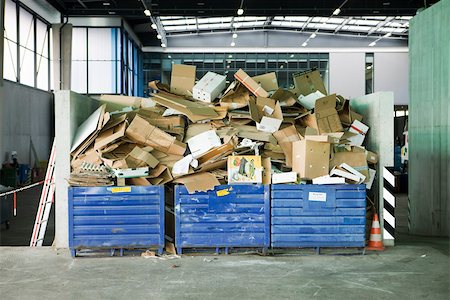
(429, 115)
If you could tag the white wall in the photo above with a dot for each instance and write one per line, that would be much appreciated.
(391, 71)
(26, 113)
(347, 74)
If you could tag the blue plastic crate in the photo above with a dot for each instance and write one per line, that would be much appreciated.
(318, 215)
(116, 218)
(227, 217)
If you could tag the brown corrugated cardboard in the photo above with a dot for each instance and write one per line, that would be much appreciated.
(357, 160)
(285, 137)
(286, 98)
(110, 136)
(308, 82)
(144, 133)
(346, 114)
(266, 113)
(325, 118)
(136, 102)
(250, 132)
(244, 169)
(310, 159)
(235, 96)
(195, 111)
(158, 86)
(332, 138)
(267, 170)
(267, 81)
(200, 182)
(183, 79)
(250, 84)
(129, 156)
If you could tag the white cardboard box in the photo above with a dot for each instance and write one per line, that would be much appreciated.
(203, 142)
(209, 87)
(360, 130)
(285, 177)
(327, 179)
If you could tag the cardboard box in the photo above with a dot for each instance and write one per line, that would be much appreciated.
(325, 117)
(309, 101)
(327, 179)
(332, 138)
(346, 115)
(372, 157)
(339, 172)
(203, 142)
(209, 87)
(235, 96)
(266, 113)
(360, 131)
(285, 137)
(244, 169)
(357, 160)
(182, 80)
(308, 82)
(310, 159)
(144, 133)
(267, 81)
(286, 177)
(195, 111)
(129, 156)
(110, 136)
(286, 98)
(250, 84)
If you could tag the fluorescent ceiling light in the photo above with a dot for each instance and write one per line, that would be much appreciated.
(234, 35)
(240, 12)
(313, 35)
(233, 44)
(336, 11)
(163, 45)
(154, 26)
(147, 13)
(158, 36)
(106, 3)
(387, 34)
(304, 44)
(372, 44)
(170, 56)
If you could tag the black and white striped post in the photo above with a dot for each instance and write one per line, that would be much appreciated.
(388, 206)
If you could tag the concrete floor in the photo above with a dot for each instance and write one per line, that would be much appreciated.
(417, 268)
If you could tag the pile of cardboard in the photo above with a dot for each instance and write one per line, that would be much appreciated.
(204, 134)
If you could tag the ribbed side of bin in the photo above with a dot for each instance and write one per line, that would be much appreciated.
(229, 216)
(116, 217)
(318, 215)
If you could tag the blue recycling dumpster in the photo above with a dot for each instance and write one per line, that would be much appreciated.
(230, 216)
(116, 218)
(318, 215)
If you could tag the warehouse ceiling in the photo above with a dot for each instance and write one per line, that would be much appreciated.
(377, 18)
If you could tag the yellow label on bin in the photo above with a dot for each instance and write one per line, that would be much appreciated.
(122, 189)
(222, 193)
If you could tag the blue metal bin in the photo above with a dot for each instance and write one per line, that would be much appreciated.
(116, 218)
(228, 216)
(318, 215)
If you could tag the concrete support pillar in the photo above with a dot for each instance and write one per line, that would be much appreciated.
(62, 55)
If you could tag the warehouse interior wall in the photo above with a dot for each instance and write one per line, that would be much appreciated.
(391, 74)
(26, 113)
(347, 74)
(429, 121)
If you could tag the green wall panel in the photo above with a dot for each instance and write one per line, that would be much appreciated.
(429, 115)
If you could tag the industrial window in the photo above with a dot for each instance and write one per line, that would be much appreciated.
(26, 52)
(95, 60)
(369, 73)
(157, 66)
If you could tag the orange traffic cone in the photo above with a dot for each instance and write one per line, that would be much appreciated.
(375, 242)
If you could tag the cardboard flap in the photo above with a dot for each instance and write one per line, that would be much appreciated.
(250, 84)
(325, 104)
(308, 82)
(286, 98)
(200, 182)
(183, 79)
(267, 81)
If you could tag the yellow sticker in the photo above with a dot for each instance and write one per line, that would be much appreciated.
(222, 193)
(122, 189)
